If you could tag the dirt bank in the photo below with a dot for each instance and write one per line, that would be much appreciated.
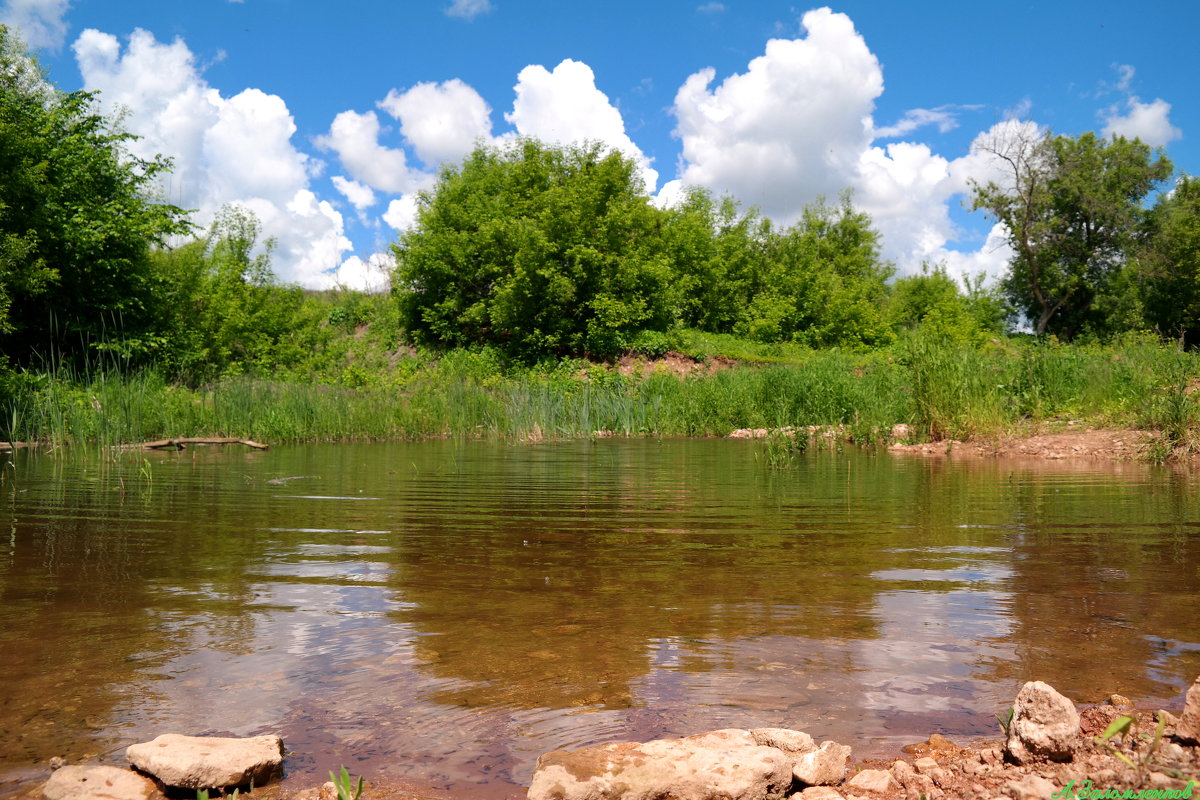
(1107, 444)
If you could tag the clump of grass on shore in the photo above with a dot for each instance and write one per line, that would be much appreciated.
(941, 389)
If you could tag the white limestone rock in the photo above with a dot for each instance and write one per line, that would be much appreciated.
(722, 765)
(203, 762)
(98, 783)
(1044, 725)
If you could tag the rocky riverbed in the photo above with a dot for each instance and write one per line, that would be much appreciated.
(1052, 751)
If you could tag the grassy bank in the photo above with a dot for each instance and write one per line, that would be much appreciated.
(940, 388)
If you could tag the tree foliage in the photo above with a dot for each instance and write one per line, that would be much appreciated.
(933, 300)
(1072, 207)
(539, 249)
(823, 283)
(1169, 262)
(557, 250)
(77, 220)
(221, 309)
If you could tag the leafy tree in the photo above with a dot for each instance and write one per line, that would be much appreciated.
(1072, 207)
(932, 299)
(538, 249)
(223, 311)
(76, 218)
(720, 254)
(1169, 262)
(823, 283)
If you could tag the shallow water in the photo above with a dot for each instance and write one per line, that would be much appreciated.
(444, 612)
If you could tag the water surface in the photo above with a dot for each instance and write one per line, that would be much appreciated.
(444, 612)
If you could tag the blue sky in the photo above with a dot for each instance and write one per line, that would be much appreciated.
(326, 119)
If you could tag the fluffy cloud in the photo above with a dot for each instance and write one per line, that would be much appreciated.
(1149, 122)
(798, 124)
(790, 128)
(442, 121)
(226, 149)
(468, 9)
(372, 275)
(1132, 118)
(402, 213)
(564, 105)
(360, 196)
(355, 139)
(42, 23)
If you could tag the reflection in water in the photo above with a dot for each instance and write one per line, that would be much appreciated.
(444, 612)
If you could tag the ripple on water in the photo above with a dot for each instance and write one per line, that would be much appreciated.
(490, 603)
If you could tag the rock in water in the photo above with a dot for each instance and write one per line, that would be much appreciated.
(727, 764)
(203, 762)
(1044, 725)
(98, 783)
(1188, 727)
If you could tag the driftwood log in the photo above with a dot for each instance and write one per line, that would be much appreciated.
(6, 446)
(182, 443)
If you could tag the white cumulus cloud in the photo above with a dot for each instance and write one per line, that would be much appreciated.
(42, 23)
(798, 124)
(1134, 119)
(791, 127)
(1149, 122)
(401, 213)
(564, 106)
(373, 274)
(442, 121)
(360, 196)
(355, 139)
(226, 149)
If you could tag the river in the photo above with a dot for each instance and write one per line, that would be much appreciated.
(440, 613)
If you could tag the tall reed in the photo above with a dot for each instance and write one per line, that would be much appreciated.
(941, 389)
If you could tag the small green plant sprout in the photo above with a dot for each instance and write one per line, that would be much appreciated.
(1121, 726)
(1124, 727)
(202, 794)
(1005, 720)
(346, 788)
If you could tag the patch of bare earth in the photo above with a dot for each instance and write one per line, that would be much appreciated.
(671, 363)
(1111, 445)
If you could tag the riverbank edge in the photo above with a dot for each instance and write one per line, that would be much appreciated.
(978, 769)
(1067, 443)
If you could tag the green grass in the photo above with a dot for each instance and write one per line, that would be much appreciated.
(940, 389)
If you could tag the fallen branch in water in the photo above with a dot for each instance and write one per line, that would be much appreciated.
(182, 443)
(6, 446)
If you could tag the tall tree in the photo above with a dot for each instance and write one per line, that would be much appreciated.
(1072, 207)
(77, 219)
(1169, 262)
